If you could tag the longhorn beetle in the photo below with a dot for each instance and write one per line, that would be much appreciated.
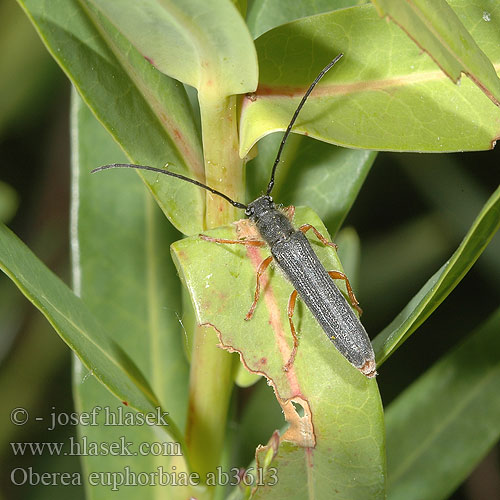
(295, 257)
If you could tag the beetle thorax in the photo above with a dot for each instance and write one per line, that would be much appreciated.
(273, 225)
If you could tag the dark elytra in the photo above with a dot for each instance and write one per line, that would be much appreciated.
(296, 258)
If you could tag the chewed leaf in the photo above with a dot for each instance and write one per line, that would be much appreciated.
(385, 94)
(337, 434)
(436, 28)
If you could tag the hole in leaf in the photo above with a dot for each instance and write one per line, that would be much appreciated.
(299, 409)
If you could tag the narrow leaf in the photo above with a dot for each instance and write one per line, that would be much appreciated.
(444, 423)
(439, 286)
(74, 323)
(123, 271)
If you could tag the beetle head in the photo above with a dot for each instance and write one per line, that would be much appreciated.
(259, 207)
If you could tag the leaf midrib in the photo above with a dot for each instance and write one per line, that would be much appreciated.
(272, 91)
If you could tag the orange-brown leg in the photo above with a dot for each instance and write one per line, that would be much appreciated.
(337, 275)
(291, 308)
(260, 272)
(289, 211)
(252, 243)
(321, 238)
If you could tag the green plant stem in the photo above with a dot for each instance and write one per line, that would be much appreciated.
(211, 380)
(223, 166)
(210, 387)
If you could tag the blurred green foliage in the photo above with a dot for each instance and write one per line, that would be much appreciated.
(410, 215)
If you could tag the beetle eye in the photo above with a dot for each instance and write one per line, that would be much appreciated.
(249, 211)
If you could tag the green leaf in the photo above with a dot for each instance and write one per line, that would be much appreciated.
(123, 271)
(384, 94)
(325, 177)
(146, 112)
(260, 417)
(75, 324)
(349, 251)
(345, 427)
(243, 378)
(435, 28)
(264, 15)
(8, 202)
(203, 44)
(444, 423)
(439, 286)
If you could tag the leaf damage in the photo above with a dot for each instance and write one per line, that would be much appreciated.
(455, 78)
(301, 428)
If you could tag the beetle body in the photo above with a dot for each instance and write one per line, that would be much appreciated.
(300, 265)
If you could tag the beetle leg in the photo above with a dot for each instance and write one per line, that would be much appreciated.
(291, 308)
(262, 269)
(337, 275)
(321, 238)
(289, 212)
(253, 243)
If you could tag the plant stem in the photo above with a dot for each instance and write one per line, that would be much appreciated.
(211, 380)
(223, 167)
(210, 387)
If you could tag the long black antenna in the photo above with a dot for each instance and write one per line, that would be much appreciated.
(294, 117)
(172, 174)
